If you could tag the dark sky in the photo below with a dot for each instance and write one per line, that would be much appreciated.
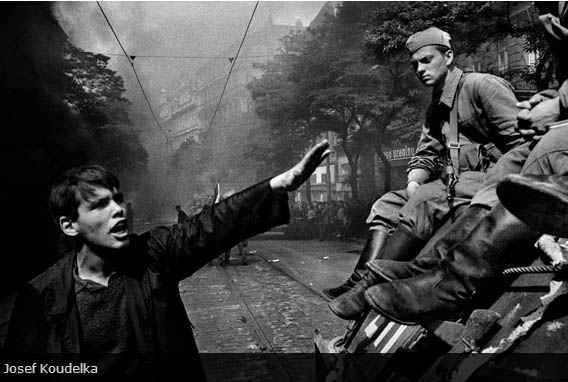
(189, 28)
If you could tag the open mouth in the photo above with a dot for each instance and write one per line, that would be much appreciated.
(119, 229)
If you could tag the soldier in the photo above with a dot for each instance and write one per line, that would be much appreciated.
(454, 275)
(469, 123)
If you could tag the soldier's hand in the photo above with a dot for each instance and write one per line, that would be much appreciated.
(533, 123)
(293, 178)
(411, 187)
(531, 102)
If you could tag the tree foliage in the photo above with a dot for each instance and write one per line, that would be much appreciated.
(278, 101)
(323, 81)
(96, 94)
(471, 25)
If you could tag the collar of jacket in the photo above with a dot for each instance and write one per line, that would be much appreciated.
(59, 299)
(451, 86)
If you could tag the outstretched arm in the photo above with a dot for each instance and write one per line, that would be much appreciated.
(232, 220)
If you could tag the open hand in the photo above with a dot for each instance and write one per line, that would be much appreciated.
(293, 178)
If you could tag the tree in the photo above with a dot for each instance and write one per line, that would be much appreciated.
(285, 134)
(471, 25)
(385, 28)
(324, 81)
(95, 93)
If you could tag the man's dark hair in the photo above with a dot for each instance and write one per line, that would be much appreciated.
(74, 184)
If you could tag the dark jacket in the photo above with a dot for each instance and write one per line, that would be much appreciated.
(45, 317)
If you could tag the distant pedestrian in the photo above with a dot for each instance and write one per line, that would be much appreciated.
(225, 259)
(243, 251)
(182, 216)
(342, 220)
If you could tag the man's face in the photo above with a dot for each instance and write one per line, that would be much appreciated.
(102, 219)
(430, 65)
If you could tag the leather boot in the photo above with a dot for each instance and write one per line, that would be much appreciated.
(351, 304)
(541, 201)
(375, 242)
(450, 234)
(403, 245)
(496, 243)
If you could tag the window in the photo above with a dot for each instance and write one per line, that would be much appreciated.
(503, 60)
(324, 178)
(530, 58)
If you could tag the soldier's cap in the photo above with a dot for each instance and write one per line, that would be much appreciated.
(430, 36)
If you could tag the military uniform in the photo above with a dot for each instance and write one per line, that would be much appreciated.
(458, 273)
(486, 125)
(471, 119)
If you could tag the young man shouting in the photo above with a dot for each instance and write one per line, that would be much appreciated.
(115, 300)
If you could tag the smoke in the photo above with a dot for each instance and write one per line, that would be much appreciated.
(42, 137)
(195, 29)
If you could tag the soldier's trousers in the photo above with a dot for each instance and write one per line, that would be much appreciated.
(545, 157)
(425, 211)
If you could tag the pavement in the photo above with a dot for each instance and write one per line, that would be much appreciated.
(257, 321)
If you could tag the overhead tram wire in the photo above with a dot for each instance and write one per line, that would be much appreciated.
(185, 57)
(133, 69)
(233, 65)
(355, 54)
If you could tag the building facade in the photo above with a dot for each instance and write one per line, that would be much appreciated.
(190, 109)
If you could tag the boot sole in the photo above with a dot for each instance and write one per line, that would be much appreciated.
(384, 313)
(328, 294)
(536, 204)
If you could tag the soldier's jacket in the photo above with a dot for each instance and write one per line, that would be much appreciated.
(486, 117)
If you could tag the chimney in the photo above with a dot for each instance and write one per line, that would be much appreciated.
(299, 23)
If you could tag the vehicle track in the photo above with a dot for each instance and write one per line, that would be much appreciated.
(282, 366)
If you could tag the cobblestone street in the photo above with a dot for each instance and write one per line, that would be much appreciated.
(268, 307)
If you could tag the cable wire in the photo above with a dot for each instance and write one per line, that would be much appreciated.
(133, 69)
(233, 65)
(185, 57)
(335, 53)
